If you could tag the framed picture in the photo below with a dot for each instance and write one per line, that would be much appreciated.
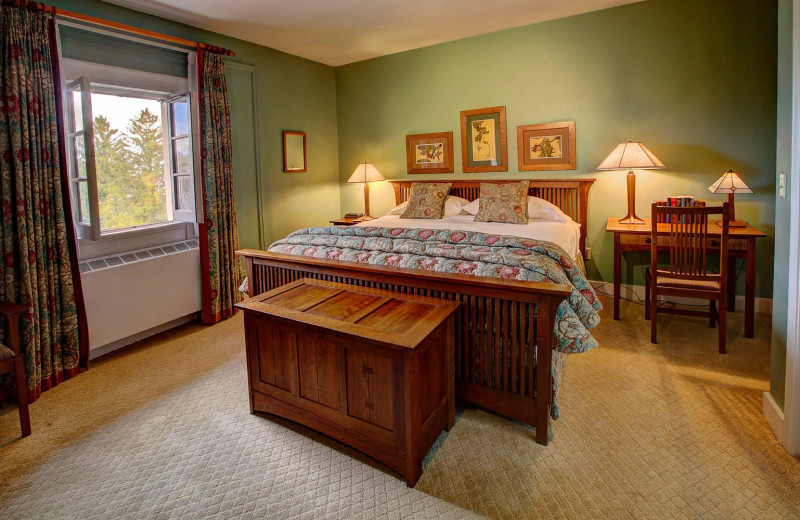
(483, 140)
(429, 153)
(549, 146)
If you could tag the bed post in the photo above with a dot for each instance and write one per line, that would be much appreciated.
(396, 186)
(251, 282)
(583, 206)
(544, 371)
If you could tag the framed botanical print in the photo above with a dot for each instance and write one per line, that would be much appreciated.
(549, 146)
(429, 153)
(483, 140)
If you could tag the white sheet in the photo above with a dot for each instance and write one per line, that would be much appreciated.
(564, 234)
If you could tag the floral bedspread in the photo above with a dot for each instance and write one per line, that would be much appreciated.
(464, 252)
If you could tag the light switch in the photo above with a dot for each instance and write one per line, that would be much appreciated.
(782, 185)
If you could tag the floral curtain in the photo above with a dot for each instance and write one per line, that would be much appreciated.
(219, 239)
(37, 243)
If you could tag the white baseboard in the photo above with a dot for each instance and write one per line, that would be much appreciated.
(774, 416)
(636, 293)
(96, 352)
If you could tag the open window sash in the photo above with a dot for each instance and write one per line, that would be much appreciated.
(81, 158)
(179, 149)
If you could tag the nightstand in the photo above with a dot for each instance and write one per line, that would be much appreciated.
(344, 221)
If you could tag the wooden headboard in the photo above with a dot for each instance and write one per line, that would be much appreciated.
(570, 195)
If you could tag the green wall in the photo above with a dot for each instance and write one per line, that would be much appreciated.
(780, 298)
(695, 80)
(290, 93)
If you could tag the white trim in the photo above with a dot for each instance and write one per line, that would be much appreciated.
(774, 416)
(636, 293)
(791, 405)
(126, 240)
(157, 85)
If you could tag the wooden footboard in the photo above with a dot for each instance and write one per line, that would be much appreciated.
(503, 331)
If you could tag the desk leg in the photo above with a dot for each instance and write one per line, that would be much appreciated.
(731, 284)
(750, 289)
(616, 276)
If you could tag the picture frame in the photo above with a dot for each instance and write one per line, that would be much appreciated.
(429, 153)
(547, 146)
(484, 147)
(295, 159)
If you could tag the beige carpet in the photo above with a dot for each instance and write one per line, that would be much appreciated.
(162, 430)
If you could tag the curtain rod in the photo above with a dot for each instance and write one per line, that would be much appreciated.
(34, 6)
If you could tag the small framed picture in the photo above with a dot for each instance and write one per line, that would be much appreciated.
(483, 140)
(429, 153)
(549, 146)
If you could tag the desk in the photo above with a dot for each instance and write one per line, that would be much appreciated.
(741, 244)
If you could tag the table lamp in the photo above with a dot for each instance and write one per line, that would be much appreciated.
(631, 156)
(731, 183)
(365, 172)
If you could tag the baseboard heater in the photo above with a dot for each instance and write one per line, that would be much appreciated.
(132, 294)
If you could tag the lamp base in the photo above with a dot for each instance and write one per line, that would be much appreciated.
(733, 223)
(631, 219)
(364, 218)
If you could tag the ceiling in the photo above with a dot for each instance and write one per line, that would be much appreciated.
(337, 32)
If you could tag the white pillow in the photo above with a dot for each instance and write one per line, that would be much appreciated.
(538, 209)
(452, 206)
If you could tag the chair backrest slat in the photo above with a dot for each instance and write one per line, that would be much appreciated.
(688, 240)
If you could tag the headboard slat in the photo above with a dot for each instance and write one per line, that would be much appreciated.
(570, 195)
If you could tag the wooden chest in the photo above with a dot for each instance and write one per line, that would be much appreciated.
(371, 368)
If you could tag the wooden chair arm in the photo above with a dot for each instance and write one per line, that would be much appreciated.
(9, 309)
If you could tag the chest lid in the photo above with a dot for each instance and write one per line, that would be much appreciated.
(394, 318)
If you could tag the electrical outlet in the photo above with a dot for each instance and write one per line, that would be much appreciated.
(588, 253)
(782, 185)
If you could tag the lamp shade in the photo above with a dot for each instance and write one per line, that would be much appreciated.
(629, 156)
(730, 182)
(366, 172)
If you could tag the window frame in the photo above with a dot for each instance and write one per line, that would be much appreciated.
(94, 242)
(174, 211)
(90, 230)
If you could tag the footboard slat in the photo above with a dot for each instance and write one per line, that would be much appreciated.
(502, 331)
(530, 351)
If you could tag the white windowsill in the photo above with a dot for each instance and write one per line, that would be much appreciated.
(122, 241)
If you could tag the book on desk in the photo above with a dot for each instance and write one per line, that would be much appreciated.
(678, 201)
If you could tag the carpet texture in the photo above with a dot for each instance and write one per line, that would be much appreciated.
(163, 430)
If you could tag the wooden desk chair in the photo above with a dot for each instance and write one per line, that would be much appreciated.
(11, 359)
(687, 274)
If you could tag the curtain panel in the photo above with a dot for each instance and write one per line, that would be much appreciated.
(221, 272)
(37, 243)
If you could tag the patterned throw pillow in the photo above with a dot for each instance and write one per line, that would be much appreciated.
(427, 200)
(504, 203)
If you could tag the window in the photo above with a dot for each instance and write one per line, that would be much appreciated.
(130, 137)
(131, 161)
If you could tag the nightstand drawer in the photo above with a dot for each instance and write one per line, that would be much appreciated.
(663, 241)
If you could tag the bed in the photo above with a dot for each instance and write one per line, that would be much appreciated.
(509, 332)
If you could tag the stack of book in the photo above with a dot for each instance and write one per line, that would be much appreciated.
(677, 201)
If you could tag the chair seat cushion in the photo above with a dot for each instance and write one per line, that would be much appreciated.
(5, 352)
(668, 281)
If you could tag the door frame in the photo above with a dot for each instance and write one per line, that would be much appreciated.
(791, 433)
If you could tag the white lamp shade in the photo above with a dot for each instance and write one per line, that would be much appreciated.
(730, 183)
(366, 172)
(631, 156)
